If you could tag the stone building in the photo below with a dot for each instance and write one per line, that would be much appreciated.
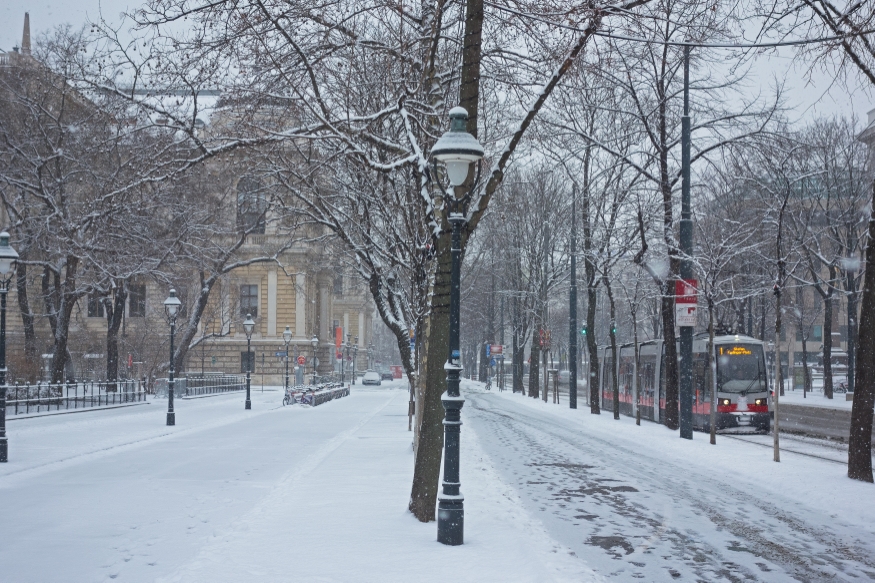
(305, 289)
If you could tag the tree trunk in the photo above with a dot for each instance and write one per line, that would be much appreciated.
(68, 296)
(115, 312)
(593, 382)
(615, 365)
(827, 337)
(712, 369)
(429, 449)
(860, 440)
(534, 365)
(671, 357)
(27, 321)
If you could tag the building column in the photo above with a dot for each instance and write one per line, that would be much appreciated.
(271, 302)
(300, 305)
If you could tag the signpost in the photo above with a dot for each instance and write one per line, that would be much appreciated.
(685, 302)
(685, 319)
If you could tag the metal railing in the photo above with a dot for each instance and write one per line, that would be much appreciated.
(193, 386)
(212, 384)
(40, 397)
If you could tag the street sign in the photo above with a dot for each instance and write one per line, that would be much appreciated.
(685, 302)
(302, 360)
(281, 354)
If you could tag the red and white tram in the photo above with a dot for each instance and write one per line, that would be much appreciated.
(742, 382)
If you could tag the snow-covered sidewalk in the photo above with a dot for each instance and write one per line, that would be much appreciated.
(272, 494)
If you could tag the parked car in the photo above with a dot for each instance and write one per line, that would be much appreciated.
(371, 377)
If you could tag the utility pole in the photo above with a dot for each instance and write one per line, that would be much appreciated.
(686, 241)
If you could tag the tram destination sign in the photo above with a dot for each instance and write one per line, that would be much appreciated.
(685, 299)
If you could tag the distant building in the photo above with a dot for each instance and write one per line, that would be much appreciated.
(308, 291)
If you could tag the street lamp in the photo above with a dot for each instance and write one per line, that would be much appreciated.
(248, 327)
(355, 352)
(457, 149)
(314, 342)
(287, 338)
(171, 308)
(8, 258)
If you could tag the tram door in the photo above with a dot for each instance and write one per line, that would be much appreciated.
(647, 380)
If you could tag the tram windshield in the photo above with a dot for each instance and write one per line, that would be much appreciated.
(740, 369)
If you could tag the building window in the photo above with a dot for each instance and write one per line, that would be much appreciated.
(247, 362)
(137, 301)
(249, 300)
(338, 286)
(95, 305)
(251, 205)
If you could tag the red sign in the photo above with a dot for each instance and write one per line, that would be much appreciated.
(685, 291)
(302, 360)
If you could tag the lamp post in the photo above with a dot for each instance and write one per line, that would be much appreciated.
(248, 327)
(355, 352)
(457, 149)
(314, 342)
(171, 308)
(8, 258)
(287, 338)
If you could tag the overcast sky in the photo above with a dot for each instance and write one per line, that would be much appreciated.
(822, 97)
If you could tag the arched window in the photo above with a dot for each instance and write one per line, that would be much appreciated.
(251, 204)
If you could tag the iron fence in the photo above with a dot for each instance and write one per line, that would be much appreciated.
(40, 397)
(193, 386)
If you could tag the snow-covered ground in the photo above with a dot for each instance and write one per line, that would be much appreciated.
(320, 494)
(815, 398)
(272, 494)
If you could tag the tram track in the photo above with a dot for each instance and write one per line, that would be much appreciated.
(784, 450)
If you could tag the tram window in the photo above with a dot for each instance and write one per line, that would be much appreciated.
(740, 369)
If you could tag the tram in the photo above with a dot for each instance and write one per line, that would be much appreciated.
(743, 401)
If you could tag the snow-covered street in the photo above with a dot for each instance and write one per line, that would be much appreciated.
(640, 503)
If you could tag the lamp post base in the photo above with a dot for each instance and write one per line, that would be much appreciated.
(171, 418)
(451, 521)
